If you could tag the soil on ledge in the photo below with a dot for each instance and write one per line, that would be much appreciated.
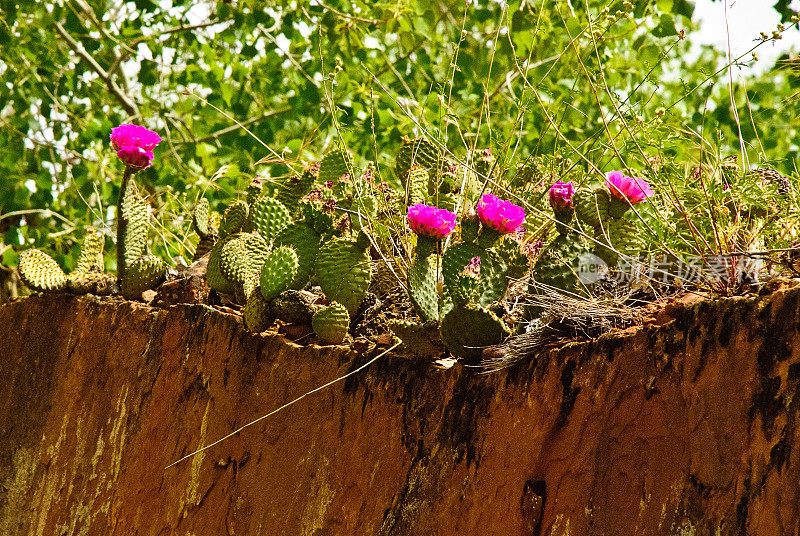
(689, 427)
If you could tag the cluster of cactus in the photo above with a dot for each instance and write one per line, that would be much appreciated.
(474, 273)
(137, 271)
(41, 273)
(272, 245)
(475, 276)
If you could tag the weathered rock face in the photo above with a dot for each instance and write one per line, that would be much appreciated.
(686, 428)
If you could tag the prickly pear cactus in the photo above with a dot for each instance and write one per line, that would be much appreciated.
(335, 164)
(492, 282)
(242, 256)
(420, 152)
(367, 207)
(295, 188)
(331, 323)
(467, 329)
(558, 264)
(145, 273)
(257, 314)
(234, 219)
(344, 271)
(420, 340)
(621, 234)
(91, 255)
(269, 216)
(305, 241)
(132, 228)
(254, 190)
(483, 162)
(200, 217)
(96, 283)
(278, 271)
(40, 272)
(422, 280)
(214, 277)
(416, 184)
(294, 307)
(510, 251)
(317, 217)
(591, 206)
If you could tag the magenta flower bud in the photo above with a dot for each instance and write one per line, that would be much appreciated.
(634, 190)
(134, 145)
(502, 216)
(431, 221)
(561, 194)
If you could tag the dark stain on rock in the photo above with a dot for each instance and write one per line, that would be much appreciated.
(469, 403)
(532, 503)
(569, 394)
(742, 508)
(726, 324)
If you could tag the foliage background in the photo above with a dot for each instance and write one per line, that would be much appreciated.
(604, 84)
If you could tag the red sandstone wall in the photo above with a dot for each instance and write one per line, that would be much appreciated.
(687, 428)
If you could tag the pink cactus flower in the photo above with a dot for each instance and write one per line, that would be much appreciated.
(431, 221)
(134, 145)
(502, 216)
(635, 190)
(561, 194)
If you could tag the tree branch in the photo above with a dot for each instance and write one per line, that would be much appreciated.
(115, 90)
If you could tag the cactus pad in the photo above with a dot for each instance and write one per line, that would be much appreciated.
(466, 330)
(214, 277)
(200, 217)
(420, 152)
(256, 313)
(294, 307)
(292, 190)
(132, 228)
(305, 242)
(335, 164)
(40, 272)
(344, 272)
(96, 283)
(91, 255)
(622, 234)
(269, 216)
(422, 286)
(254, 190)
(492, 282)
(416, 184)
(145, 273)
(558, 264)
(591, 206)
(331, 323)
(278, 271)
(234, 219)
(420, 340)
(241, 256)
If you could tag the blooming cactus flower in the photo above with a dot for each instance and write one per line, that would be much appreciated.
(134, 145)
(561, 194)
(502, 216)
(431, 221)
(635, 190)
